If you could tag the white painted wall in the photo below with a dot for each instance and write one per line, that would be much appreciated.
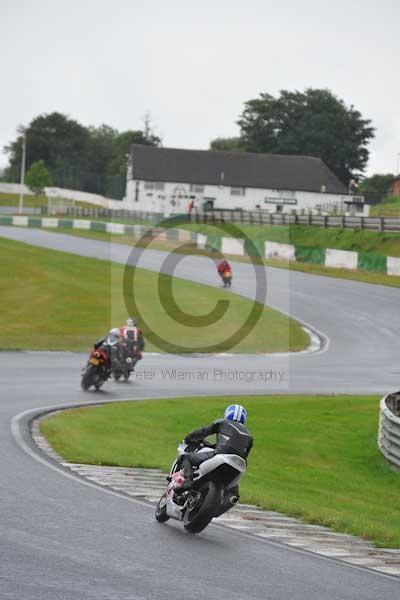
(342, 259)
(280, 251)
(393, 265)
(14, 188)
(232, 246)
(65, 194)
(81, 224)
(96, 199)
(176, 197)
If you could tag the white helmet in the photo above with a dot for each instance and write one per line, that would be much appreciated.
(130, 322)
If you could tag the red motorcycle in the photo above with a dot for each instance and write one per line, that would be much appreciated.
(226, 277)
(97, 370)
(101, 362)
(225, 272)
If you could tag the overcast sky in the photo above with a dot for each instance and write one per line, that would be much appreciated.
(194, 64)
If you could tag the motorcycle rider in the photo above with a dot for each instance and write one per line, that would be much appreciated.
(223, 267)
(232, 438)
(133, 335)
(114, 336)
(123, 332)
(114, 333)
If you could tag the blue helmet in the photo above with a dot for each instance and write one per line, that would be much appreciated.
(235, 412)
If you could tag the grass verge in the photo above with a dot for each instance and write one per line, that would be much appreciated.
(58, 301)
(314, 458)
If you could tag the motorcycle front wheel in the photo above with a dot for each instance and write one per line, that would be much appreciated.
(88, 377)
(161, 510)
(197, 518)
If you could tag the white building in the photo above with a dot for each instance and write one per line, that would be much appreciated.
(168, 180)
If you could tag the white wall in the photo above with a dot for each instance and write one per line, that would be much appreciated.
(160, 200)
(14, 188)
(96, 199)
(65, 194)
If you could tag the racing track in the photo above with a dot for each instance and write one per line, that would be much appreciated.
(65, 540)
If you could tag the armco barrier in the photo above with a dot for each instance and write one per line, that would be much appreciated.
(263, 217)
(389, 428)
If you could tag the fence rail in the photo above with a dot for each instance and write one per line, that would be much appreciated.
(266, 218)
(389, 428)
(259, 217)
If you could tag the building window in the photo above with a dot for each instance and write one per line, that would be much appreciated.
(154, 185)
(197, 189)
(238, 191)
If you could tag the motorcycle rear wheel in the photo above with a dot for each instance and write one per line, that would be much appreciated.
(197, 519)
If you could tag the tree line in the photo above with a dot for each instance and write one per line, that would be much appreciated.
(91, 159)
(310, 123)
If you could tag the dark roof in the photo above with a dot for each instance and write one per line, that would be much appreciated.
(266, 171)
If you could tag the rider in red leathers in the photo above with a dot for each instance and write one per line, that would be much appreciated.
(225, 272)
(132, 335)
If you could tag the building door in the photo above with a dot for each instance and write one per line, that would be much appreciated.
(208, 205)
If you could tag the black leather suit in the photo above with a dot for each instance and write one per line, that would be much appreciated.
(232, 438)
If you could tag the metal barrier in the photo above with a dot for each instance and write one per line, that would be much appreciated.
(389, 428)
(262, 217)
(259, 217)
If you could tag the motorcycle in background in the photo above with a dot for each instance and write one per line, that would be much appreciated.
(214, 490)
(129, 353)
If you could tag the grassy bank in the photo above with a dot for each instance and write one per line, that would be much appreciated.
(314, 269)
(357, 240)
(54, 300)
(313, 457)
(389, 208)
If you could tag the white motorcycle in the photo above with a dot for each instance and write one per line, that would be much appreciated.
(214, 490)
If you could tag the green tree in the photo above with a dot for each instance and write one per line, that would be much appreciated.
(377, 185)
(101, 147)
(121, 145)
(91, 159)
(230, 144)
(310, 123)
(53, 138)
(38, 177)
